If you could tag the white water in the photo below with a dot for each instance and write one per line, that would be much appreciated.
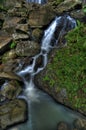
(37, 1)
(44, 112)
(46, 42)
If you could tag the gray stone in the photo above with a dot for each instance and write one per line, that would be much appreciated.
(63, 126)
(11, 89)
(12, 112)
(22, 27)
(20, 36)
(9, 75)
(27, 48)
(41, 16)
(80, 124)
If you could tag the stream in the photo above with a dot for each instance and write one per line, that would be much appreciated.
(44, 113)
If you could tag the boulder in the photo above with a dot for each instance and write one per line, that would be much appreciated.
(41, 16)
(80, 124)
(27, 48)
(12, 112)
(11, 89)
(63, 126)
(37, 34)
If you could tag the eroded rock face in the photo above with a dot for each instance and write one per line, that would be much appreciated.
(12, 112)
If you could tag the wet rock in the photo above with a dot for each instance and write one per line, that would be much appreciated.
(10, 76)
(11, 89)
(38, 17)
(12, 112)
(27, 48)
(26, 62)
(63, 126)
(5, 43)
(37, 34)
(80, 124)
(39, 63)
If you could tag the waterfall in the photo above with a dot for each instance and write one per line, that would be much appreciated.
(37, 1)
(67, 23)
(44, 113)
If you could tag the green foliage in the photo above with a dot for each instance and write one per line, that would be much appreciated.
(13, 45)
(84, 9)
(68, 67)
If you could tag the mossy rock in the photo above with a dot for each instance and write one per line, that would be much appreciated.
(11, 89)
(12, 112)
(37, 34)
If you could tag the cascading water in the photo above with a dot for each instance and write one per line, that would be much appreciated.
(44, 112)
(37, 1)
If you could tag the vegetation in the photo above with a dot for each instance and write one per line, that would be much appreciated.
(84, 9)
(68, 67)
(13, 45)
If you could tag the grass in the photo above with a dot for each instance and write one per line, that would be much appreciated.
(68, 67)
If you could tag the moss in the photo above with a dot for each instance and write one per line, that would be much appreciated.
(13, 45)
(68, 67)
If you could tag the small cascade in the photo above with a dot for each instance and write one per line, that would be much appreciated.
(44, 112)
(37, 1)
(65, 23)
